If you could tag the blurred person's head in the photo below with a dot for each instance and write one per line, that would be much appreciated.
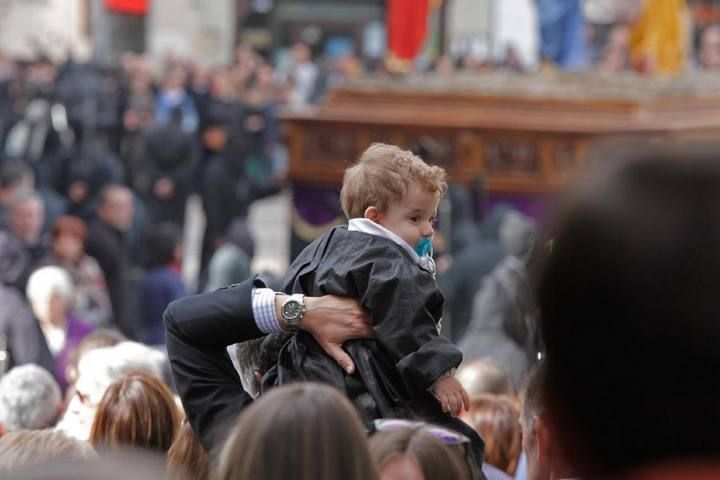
(175, 79)
(137, 411)
(301, 52)
(255, 357)
(27, 215)
(519, 237)
(709, 51)
(68, 238)
(162, 245)
(26, 448)
(133, 464)
(496, 419)
(445, 65)
(629, 309)
(14, 176)
(30, 399)
(115, 207)
(98, 338)
(97, 370)
(615, 55)
(50, 291)
(14, 260)
(187, 458)
(484, 376)
(316, 428)
(415, 453)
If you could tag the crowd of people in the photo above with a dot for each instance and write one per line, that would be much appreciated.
(562, 359)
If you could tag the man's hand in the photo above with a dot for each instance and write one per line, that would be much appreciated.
(452, 395)
(334, 320)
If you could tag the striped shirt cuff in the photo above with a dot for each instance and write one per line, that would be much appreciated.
(263, 305)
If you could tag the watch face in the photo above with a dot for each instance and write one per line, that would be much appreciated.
(291, 309)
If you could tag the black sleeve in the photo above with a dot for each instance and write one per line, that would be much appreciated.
(198, 330)
(406, 310)
(103, 248)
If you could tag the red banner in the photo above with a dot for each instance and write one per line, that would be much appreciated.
(407, 27)
(129, 7)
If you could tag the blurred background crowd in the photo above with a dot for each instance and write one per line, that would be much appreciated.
(128, 172)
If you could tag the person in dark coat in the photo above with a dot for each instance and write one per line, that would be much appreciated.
(462, 280)
(505, 323)
(162, 283)
(239, 176)
(21, 338)
(107, 243)
(164, 177)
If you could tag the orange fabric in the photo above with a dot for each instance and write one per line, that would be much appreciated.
(407, 27)
(658, 40)
(130, 7)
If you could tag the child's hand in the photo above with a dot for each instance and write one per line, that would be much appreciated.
(452, 395)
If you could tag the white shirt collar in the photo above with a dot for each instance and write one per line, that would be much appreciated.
(365, 225)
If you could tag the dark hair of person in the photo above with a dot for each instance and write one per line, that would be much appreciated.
(13, 172)
(496, 419)
(303, 431)
(259, 354)
(187, 458)
(629, 304)
(435, 459)
(160, 245)
(26, 448)
(137, 410)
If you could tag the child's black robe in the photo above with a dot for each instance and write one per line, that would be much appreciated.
(394, 371)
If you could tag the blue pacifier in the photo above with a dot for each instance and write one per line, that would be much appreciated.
(423, 247)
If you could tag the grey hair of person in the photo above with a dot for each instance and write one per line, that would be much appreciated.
(258, 355)
(30, 398)
(48, 281)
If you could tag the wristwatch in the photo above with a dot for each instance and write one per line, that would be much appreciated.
(292, 311)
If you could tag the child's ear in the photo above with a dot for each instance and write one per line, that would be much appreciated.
(372, 213)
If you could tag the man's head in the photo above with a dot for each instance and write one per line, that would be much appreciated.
(256, 357)
(709, 54)
(116, 207)
(14, 176)
(27, 214)
(30, 399)
(629, 304)
(395, 189)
